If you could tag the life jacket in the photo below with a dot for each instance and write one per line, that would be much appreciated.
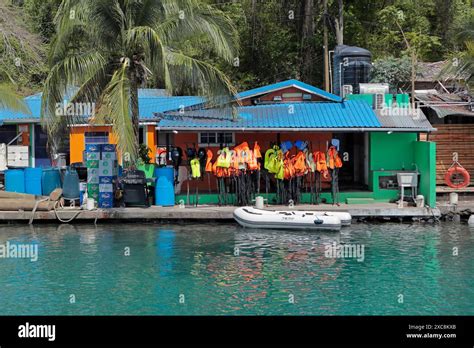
(289, 169)
(310, 161)
(266, 163)
(224, 158)
(334, 161)
(252, 163)
(234, 160)
(195, 168)
(299, 164)
(319, 158)
(256, 151)
(242, 153)
(275, 161)
(208, 161)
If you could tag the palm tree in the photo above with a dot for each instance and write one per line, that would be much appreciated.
(110, 48)
(9, 100)
(462, 64)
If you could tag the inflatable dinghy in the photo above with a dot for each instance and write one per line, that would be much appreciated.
(258, 218)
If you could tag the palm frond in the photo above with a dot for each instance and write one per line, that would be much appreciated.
(115, 110)
(71, 71)
(9, 100)
(201, 76)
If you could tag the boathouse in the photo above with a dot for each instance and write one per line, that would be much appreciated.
(375, 144)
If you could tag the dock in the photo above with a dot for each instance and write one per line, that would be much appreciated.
(205, 213)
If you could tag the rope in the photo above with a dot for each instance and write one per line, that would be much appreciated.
(58, 202)
(34, 209)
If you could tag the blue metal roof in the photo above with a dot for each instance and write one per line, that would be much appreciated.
(309, 115)
(149, 102)
(148, 106)
(286, 84)
(34, 104)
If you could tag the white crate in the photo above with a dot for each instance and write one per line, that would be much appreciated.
(18, 156)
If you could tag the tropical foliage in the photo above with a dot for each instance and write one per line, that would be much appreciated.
(110, 48)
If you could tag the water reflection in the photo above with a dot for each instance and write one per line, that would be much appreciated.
(224, 269)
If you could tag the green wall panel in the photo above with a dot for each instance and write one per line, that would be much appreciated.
(425, 158)
(391, 151)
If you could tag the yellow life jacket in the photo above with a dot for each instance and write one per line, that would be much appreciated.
(195, 168)
(266, 163)
(224, 158)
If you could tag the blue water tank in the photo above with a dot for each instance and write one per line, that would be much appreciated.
(50, 180)
(15, 180)
(164, 189)
(71, 185)
(33, 180)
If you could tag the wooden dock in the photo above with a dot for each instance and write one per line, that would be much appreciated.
(210, 213)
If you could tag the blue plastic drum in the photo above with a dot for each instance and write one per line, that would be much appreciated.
(50, 180)
(15, 180)
(33, 180)
(164, 189)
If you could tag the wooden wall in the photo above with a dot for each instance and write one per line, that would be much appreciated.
(453, 138)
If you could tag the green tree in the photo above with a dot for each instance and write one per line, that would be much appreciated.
(109, 48)
(394, 71)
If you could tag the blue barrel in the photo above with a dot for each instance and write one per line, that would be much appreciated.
(71, 185)
(15, 180)
(50, 180)
(164, 189)
(33, 181)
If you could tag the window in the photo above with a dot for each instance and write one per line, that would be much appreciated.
(97, 137)
(214, 138)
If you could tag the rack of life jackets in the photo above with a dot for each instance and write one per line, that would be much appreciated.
(290, 167)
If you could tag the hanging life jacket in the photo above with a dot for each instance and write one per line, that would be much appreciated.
(195, 168)
(299, 164)
(310, 161)
(256, 151)
(266, 163)
(334, 160)
(319, 158)
(224, 158)
(208, 161)
(289, 169)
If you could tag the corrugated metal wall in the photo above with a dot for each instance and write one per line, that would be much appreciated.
(453, 138)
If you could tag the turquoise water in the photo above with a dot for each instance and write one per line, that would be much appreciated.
(203, 269)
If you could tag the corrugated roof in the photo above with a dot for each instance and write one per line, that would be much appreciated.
(400, 118)
(151, 105)
(149, 102)
(310, 115)
(285, 84)
(444, 104)
(34, 104)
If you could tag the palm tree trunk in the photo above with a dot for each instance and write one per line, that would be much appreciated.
(135, 114)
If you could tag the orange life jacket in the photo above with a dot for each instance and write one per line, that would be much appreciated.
(299, 164)
(319, 158)
(289, 169)
(256, 151)
(333, 158)
(209, 155)
(252, 163)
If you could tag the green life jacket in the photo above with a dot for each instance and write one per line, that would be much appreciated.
(224, 158)
(195, 168)
(269, 153)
